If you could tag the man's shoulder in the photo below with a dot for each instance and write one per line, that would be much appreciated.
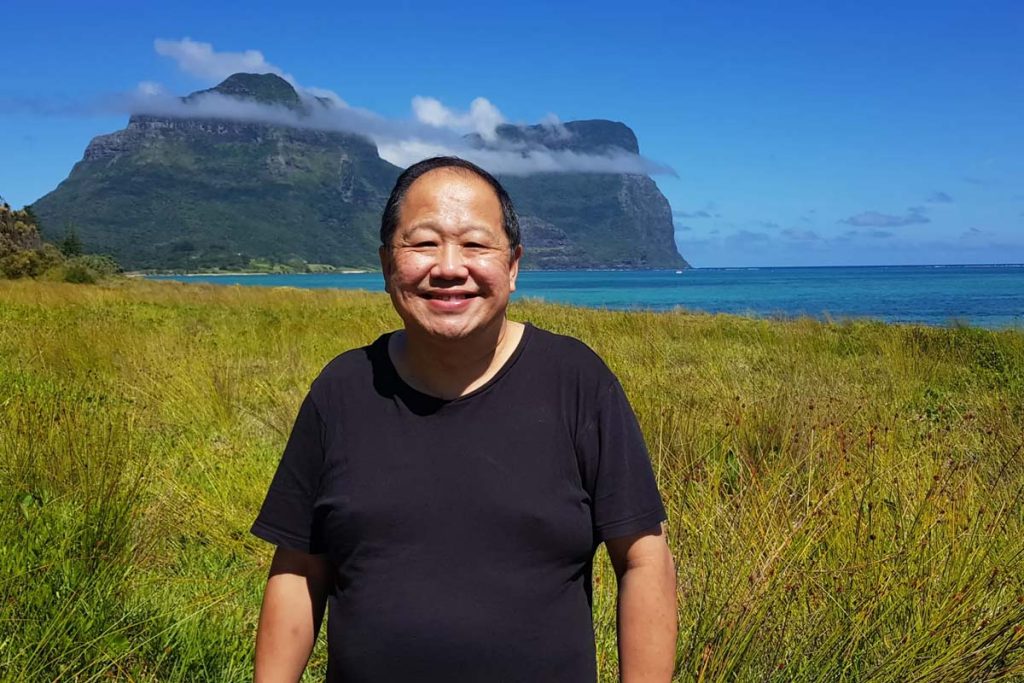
(560, 343)
(564, 353)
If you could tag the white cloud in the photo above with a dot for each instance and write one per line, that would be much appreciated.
(482, 118)
(329, 95)
(405, 153)
(400, 142)
(435, 130)
(202, 61)
(430, 111)
(556, 127)
(207, 64)
(150, 89)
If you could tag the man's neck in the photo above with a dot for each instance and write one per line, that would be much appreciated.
(450, 368)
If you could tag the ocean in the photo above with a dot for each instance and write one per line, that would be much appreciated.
(984, 296)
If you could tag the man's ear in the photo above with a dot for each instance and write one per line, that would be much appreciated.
(513, 267)
(385, 266)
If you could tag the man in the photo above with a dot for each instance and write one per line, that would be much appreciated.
(446, 487)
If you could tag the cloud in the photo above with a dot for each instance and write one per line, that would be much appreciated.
(150, 89)
(400, 142)
(555, 127)
(482, 118)
(801, 235)
(434, 129)
(875, 219)
(771, 225)
(972, 233)
(874, 234)
(939, 198)
(521, 161)
(325, 94)
(684, 228)
(691, 214)
(745, 237)
(204, 62)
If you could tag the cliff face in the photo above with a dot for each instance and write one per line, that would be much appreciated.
(194, 193)
(584, 137)
(591, 220)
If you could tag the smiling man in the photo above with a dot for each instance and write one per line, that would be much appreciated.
(445, 488)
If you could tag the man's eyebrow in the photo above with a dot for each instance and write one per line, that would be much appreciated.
(430, 225)
(424, 225)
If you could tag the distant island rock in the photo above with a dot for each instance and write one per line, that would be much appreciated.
(183, 193)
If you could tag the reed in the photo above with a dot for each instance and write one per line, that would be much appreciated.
(846, 499)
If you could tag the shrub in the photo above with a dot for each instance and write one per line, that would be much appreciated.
(20, 264)
(79, 273)
(102, 264)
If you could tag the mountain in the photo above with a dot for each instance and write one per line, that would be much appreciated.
(201, 193)
(198, 193)
(590, 220)
(262, 88)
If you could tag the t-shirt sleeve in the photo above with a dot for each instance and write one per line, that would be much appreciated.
(287, 517)
(617, 469)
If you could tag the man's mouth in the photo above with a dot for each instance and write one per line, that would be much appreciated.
(447, 297)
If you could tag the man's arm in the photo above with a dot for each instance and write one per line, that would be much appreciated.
(293, 607)
(646, 606)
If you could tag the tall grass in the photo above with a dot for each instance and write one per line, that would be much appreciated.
(845, 499)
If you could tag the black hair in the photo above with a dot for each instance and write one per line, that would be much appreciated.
(389, 219)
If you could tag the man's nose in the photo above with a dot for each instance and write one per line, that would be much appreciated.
(450, 263)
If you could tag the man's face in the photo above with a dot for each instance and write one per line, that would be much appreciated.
(450, 270)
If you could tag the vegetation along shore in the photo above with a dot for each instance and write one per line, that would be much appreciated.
(846, 501)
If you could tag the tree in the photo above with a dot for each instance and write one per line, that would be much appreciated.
(27, 210)
(71, 246)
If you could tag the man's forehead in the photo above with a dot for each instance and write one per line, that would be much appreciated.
(450, 190)
(437, 179)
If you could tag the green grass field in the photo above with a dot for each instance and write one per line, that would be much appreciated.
(846, 501)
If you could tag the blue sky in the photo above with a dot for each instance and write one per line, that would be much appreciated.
(798, 133)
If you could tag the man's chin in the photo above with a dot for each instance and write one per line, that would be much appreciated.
(451, 330)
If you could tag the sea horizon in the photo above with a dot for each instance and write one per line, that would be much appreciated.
(354, 270)
(982, 295)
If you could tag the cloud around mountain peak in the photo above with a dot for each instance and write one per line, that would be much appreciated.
(434, 128)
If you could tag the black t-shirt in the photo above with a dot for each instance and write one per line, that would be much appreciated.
(461, 532)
